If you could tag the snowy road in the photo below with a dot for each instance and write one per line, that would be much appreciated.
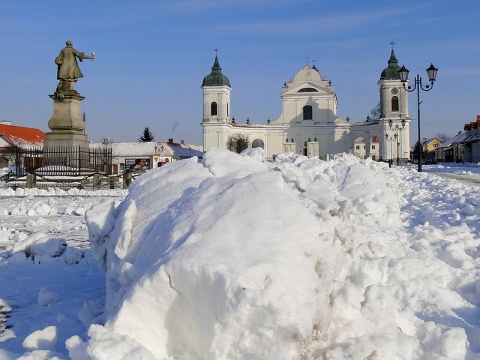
(465, 179)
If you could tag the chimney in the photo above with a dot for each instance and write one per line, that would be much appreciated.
(170, 141)
(182, 142)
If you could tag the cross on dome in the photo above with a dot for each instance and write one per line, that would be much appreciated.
(307, 57)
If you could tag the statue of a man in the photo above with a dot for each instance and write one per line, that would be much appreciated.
(68, 71)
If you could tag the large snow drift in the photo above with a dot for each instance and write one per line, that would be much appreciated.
(236, 258)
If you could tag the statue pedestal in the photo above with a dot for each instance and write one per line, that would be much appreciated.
(66, 113)
(67, 143)
(65, 139)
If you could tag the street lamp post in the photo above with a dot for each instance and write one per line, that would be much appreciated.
(432, 75)
(386, 149)
(397, 137)
(396, 150)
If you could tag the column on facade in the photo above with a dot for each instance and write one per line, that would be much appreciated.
(313, 149)
(297, 111)
(315, 114)
(329, 110)
(367, 145)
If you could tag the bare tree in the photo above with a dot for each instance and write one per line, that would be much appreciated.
(237, 143)
(442, 136)
(375, 113)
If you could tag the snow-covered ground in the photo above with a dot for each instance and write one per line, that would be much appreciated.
(237, 258)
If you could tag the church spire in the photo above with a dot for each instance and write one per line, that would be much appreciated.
(216, 78)
(391, 71)
(393, 59)
(216, 65)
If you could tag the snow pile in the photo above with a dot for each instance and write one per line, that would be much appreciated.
(300, 259)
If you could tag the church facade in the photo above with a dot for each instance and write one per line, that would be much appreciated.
(308, 123)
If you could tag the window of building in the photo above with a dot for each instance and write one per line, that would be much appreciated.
(308, 90)
(307, 112)
(373, 147)
(394, 103)
(213, 108)
(357, 147)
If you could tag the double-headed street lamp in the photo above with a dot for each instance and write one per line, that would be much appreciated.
(432, 75)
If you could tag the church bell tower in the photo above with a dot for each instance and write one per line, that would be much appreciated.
(216, 108)
(394, 136)
(216, 96)
(393, 96)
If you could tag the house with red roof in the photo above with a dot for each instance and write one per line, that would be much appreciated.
(21, 136)
(472, 141)
(12, 136)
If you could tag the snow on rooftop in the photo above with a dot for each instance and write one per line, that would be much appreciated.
(144, 149)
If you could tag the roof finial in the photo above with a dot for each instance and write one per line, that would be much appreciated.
(392, 43)
(307, 57)
(216, 51)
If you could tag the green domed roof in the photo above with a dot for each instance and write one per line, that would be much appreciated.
(391, 72)
(216, 78)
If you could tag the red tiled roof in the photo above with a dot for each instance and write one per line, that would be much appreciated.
(22, 136)
(472, 124)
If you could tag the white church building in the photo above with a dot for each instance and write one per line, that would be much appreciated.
(308, 123)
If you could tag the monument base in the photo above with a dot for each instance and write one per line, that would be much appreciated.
(66, 148)
(65, 139)
(66, 112)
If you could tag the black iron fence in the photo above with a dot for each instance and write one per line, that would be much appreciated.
(59, 161)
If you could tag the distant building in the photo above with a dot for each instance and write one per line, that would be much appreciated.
(472, 141)
(360, 149)
(140, 156)
(13, 138)
(430, 145)
(308, 123)
(21, 136)
(451, 150)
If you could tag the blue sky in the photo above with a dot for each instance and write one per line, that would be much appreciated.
(151, 58)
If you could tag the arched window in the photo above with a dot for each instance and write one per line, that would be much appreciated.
(394, 103)
(258, 143)
(308, 90)
(307, 112)
(213, 108)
